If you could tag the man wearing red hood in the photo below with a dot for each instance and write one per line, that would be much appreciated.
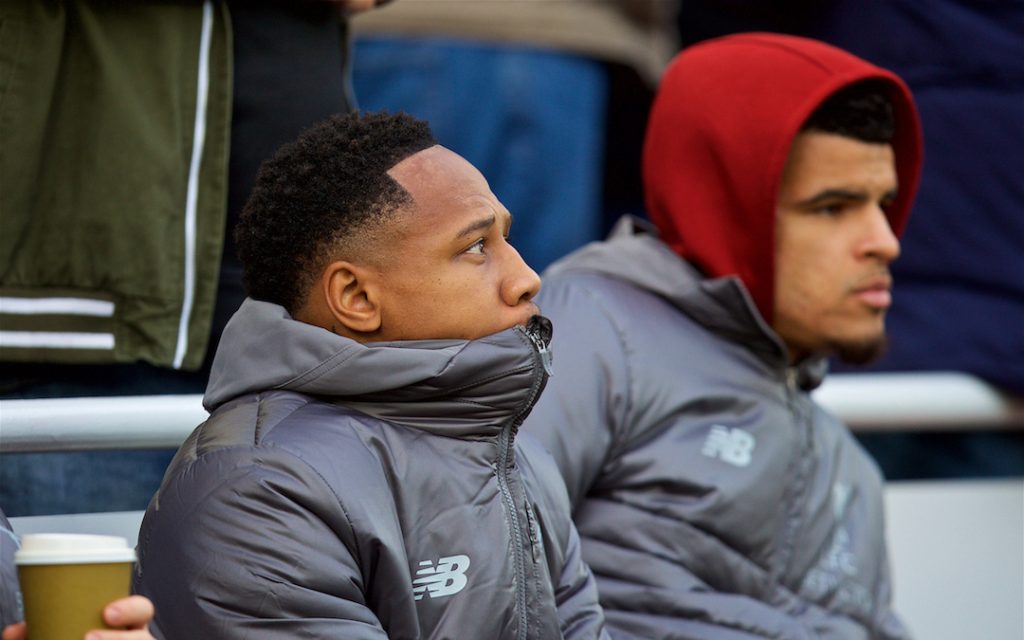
(715, 499)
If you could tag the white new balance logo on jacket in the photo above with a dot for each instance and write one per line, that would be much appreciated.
(734, 446)
(447, 578)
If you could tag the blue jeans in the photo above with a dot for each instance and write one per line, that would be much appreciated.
(531, 120)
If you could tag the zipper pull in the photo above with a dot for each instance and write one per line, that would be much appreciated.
(538, 329)
(791, 374)
(545, 357)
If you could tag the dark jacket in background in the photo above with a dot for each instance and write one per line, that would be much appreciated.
(115, 123)
(964, 249)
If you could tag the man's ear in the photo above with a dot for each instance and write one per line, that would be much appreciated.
(350, 292)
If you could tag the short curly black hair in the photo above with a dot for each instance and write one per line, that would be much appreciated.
(317, 192)
(861, 111)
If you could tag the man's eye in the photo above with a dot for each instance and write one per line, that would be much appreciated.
(833, 209)
(477, 247)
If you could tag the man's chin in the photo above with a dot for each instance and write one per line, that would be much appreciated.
(858, 352)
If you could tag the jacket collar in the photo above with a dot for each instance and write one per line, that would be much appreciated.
(456, 387)
(634, 253)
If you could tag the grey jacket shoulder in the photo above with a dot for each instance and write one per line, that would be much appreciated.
(320, 519)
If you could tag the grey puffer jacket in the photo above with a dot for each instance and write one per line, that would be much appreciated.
(714, 498)
(343, 490)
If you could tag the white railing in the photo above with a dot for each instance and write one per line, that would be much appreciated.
(867, 402)
(78, 424)
(919, 401)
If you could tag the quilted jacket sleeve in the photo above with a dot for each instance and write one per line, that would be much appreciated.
(728, 616)
(252, 543)
(579, 423)
(579, 613)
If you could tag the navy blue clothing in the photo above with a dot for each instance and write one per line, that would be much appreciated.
(959, 284)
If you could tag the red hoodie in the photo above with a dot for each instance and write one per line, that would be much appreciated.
(718, 137)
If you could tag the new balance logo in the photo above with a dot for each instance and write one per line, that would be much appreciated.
(734, 446)
(447, 578)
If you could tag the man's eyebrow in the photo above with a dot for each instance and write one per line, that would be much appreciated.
(478, 225)
(834, 194)
(842, 194)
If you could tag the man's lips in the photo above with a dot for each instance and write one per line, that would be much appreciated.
(877, 298)
(529, 311)
(876, 293)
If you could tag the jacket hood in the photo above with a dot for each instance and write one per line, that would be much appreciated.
(634, 254)
(718, 137)
(454, 386)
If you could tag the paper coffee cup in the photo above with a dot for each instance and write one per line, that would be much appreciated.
(67, 579)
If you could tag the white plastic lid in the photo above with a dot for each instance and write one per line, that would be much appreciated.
(72, 548)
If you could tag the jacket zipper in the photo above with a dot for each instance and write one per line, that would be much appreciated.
(799, 481)
(534, 531)
(542, 350)
(542, 357)
(513, 523)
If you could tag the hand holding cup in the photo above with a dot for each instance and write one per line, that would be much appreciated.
(68, 581)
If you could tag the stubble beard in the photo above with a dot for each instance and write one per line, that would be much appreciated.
(860, 352)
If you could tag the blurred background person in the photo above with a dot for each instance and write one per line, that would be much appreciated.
(132, 133)
(547, 97)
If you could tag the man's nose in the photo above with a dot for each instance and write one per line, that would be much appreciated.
(521, 283)
(880, 241)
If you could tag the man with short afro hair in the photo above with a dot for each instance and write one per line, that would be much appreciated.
(316, 193)
(361, 473)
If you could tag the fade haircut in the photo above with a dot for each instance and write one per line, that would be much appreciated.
(316, 194)
(860, 111)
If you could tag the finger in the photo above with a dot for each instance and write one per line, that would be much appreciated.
(139, 634)
(14, 632)
(134, 612)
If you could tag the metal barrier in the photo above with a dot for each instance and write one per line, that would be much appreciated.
(919, 402)
(79, 424)
(867, 402)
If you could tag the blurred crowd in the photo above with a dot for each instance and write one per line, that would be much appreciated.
(162, 160)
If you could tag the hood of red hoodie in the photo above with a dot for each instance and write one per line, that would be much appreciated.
(719, 133)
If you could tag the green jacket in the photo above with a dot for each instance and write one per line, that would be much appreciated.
(114, 122)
